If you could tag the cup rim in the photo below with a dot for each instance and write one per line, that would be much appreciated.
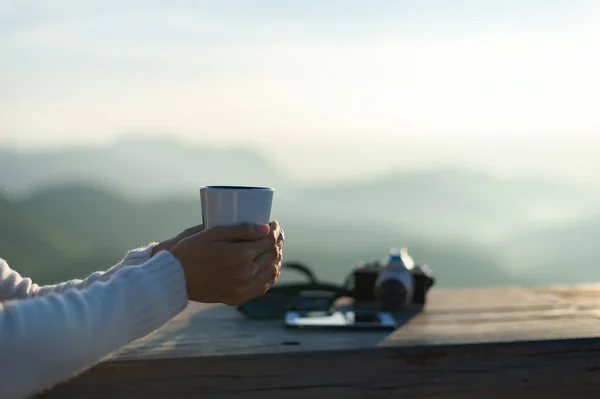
(236, 188)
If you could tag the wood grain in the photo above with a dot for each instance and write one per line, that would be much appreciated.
(475, 343)
(495, 315)
(205, 330)
(555, 369)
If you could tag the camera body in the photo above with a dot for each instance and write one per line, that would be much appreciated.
(394, 283)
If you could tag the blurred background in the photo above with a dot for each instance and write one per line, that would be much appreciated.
(467, 131)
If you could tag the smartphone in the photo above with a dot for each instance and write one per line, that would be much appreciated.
(342, 319)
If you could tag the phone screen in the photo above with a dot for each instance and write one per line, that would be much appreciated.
(341, 319)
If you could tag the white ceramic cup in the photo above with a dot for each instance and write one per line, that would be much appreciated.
(229, 205)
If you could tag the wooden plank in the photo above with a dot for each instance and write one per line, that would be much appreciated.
(497, 299)
(555, 369)
(476, 343)
(486, 316)
(205, 330)
(488, 328)
(220, 330)
(583, 296)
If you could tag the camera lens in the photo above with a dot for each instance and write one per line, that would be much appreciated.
(391, 294)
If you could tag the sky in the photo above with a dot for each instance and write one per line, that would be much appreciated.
(327, 89)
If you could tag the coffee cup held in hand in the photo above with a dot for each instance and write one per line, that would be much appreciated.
(231, 205)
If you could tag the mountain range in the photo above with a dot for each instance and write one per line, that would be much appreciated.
(68, 212)
(135, 168)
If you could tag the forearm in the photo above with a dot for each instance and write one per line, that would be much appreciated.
(48, 339)
(134, 257)
(13, 286)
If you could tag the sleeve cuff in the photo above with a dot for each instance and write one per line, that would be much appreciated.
(139, 255)
(161, 284)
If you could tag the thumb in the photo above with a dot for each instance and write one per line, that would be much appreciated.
(239, 232)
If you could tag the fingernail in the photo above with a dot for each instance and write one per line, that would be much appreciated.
(263, 228)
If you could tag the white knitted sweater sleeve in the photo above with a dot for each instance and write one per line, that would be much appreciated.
(13, 286)
(49, 334)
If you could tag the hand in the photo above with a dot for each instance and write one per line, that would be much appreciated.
(169, 244)
(231, 264)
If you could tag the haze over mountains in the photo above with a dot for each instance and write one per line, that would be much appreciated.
(138, 168)
(68, 212)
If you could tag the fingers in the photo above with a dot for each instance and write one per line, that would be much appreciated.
(275, 229)
(257, 279)
(255, 248)
(264, 257)
(264, 281)
(267, 268)
(239, 232)
(267, 259)
(278, 233)
(281, 240)
(190, 231)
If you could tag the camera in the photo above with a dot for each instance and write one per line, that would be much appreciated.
(393, 283)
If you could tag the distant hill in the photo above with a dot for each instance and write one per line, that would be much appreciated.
(64, 213)
(569, 253)
(434, 203)
(137, 168)
(450, 203)
(56, 229)
(47, 251)
(69, 231)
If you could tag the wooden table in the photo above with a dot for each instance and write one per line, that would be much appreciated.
(469, 343)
